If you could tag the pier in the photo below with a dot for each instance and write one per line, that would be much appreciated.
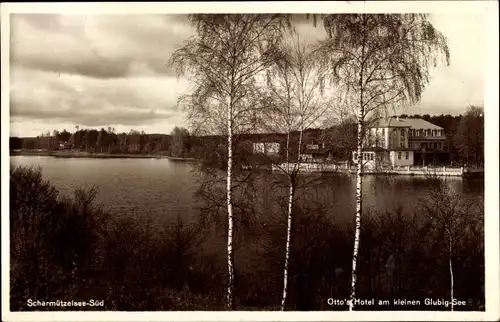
(405, 170)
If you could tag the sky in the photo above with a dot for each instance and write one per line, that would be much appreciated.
(110, 70)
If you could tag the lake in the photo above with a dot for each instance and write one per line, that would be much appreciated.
(159, 188)
(153, 192)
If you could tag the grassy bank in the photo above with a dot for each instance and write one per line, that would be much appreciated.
(72, 249)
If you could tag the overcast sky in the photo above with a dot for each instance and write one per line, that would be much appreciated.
(109, 70)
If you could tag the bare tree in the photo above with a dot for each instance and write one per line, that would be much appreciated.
(380, 60)
(294, 99)
(180, 141)
(451, 213)
(469, 139)
(221, 61)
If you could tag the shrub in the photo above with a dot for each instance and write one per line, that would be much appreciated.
(70, 249)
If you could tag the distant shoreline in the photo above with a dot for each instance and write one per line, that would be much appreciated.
(78, 154)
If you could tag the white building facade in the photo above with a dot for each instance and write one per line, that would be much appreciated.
(393, 142)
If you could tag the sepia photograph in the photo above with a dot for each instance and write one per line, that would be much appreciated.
(328, 159)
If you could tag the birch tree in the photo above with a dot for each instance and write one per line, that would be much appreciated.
(380, 61)
(453, 216)
(295, 85)
(221, 62)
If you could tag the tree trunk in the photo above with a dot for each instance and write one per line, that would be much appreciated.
(230, 255)
(359, 176)
(299, 149)
(288, 245)
(451, 267)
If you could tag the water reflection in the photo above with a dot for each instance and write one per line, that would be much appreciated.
(164, 189)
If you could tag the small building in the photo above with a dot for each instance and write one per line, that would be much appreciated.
(64, 145)
(267, 148)
(316, 153)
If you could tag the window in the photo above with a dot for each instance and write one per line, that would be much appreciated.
(407, 155)
(402, 132)
(355, 155)
(371, 156)
(399, 155)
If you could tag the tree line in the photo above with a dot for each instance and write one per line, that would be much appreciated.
(464, 139)
(177, 144)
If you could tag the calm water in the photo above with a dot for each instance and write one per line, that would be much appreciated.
(165, 189)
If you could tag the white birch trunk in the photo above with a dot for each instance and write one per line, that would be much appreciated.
(230, 256)
(300, 146)
(288, 154)
(359, 177)
(292, 178)
(451, 268)
(288, 245)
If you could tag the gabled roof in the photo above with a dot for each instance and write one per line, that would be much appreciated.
(413, 123)
(389, 122)
(421, 124)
